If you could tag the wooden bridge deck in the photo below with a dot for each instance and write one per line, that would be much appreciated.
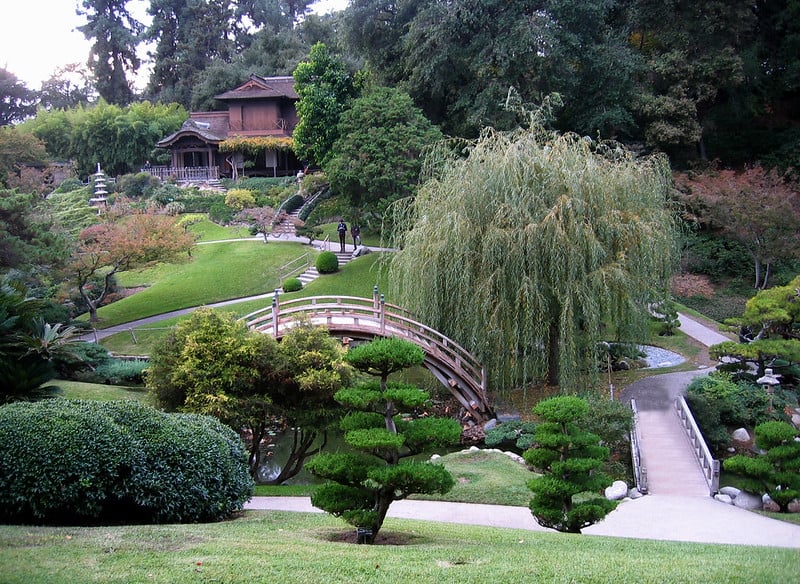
(368, 318)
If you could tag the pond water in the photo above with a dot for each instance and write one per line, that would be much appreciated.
(657, 358)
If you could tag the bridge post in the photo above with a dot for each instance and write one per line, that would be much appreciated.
(375, 296)
(275, 313)
(383, 315)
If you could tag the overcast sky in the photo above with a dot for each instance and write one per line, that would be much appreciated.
(38, 36)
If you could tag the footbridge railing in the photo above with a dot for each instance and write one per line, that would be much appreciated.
(708, 463)
(351, 317)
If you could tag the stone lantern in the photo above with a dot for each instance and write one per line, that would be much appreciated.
(768, 383)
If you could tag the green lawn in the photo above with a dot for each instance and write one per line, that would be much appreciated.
(99, 392)
(219, 271)
(357, 278)
(207, 230)
(298, 548)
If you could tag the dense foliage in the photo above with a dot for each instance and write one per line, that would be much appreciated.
(327, 262)
(569, 494)
(542, 245)
(776, 472)
(117, 461)
(213, 364)
(378, 155)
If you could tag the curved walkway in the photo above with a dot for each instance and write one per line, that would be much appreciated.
(660, 517)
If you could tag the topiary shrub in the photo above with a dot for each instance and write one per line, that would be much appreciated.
(73, 461)
(292, 285)
(327, 262)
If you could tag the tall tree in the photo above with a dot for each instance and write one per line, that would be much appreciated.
(326, 89)
(531, 248)
(378, 156)
(692, 61)
(17, 102)
(115, 35)
(70, 86)
(188, 36)
(458, 59)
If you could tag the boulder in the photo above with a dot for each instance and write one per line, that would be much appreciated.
(635, 493)
(490, 425)
(723, 498)
(768, 504)
(749, 501)
(796, 420)
(732, 492)
(617, 491)
(360, 251)
(741, 435)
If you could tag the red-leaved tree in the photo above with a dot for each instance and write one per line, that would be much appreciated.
(133, 241)
(757, 207)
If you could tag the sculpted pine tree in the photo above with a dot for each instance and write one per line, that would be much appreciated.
(530, 248)
(568, 496)
(383, 429)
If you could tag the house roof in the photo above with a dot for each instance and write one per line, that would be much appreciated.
(262, 87)
(204, 129)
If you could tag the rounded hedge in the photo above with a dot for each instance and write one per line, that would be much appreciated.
(327, 262)
(292, 285)
(73, 460)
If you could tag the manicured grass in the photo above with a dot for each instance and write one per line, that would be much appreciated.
(356, 278)
(485, 476)
(220, 271)
(100, 392)
(299, 548)
(482, 476)
(207, 230)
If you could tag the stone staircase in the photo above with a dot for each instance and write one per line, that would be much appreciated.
(286, 228)
(312, 274)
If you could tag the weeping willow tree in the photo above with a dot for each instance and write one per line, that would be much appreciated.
(529, 248)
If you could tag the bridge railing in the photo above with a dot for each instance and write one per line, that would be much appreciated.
(708, 463)
(639, 470)
(374, 317)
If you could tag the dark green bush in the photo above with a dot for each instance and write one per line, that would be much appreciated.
(219, 212)
(327, 262)
(515, 435)
(294, 202)
(292, 285)
(135, 186)
(73, 461)
(69, 185)
(122, 371)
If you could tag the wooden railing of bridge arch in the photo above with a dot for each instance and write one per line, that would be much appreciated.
(368, 318)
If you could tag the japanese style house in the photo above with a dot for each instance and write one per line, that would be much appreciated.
(253, 137)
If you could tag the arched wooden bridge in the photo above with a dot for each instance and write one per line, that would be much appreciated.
(351, 317)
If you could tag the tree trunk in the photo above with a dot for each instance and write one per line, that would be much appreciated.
(301, 450)
(553, 355)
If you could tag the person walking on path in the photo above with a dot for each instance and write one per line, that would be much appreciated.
(342, 230)
(355, 232)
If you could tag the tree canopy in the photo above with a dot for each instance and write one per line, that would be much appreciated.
(531, 248)
(378, 155)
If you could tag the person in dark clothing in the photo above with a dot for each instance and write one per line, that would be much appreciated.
(342, 230)
(355, 231)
